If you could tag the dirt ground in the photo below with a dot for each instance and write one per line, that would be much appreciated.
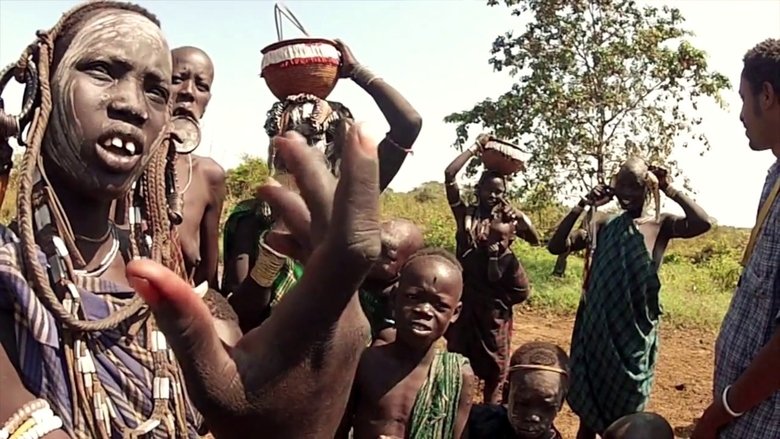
(684, 370)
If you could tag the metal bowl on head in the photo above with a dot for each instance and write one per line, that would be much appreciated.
(301, 66)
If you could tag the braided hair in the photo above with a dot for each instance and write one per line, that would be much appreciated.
(316, 119)
(44, 53)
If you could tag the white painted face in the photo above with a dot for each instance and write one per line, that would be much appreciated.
(110, 96)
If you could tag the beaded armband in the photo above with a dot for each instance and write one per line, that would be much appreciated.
(269, 263)
(362, 74)
(33, 421)
(395, 144)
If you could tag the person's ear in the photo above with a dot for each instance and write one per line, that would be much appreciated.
(456, 313)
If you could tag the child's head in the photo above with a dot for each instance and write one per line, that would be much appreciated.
(500, 232)
(640, 426)
(427, 299)
(538, 383)
(400, 239)
(225, 318)
(490, 188)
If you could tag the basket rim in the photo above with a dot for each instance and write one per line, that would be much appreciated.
(283, 43)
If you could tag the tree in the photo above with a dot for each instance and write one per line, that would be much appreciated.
(244, 178)
(597, 81)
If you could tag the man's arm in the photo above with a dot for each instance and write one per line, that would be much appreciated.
(520, 285)
(454, 198)
(253, 296)
(238, 260)
(525, 229)
(695, 222)
(209, 225)
(760, 380)
(405, 123)
(756, 384)
(563, 241)
(464, 404)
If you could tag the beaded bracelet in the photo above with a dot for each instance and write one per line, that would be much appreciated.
(34, 420)
(267, 266)
(21, 415)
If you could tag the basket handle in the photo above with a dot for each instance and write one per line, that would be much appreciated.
(280, 10)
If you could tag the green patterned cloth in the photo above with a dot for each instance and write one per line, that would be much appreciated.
(436, 406)
(615, 338)
(288, 276)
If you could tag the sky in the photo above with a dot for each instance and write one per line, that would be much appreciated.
(436, 54)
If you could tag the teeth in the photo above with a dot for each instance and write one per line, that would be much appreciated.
(118, 143)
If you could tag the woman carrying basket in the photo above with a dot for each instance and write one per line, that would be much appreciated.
(244, 227)
(493, 279)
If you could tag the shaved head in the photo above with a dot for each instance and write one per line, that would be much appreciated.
(403, 235)
(640, 426)
(187, 51)
(400, 239)
(193, 75)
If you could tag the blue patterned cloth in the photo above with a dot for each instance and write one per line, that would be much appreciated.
(751, 320)
(123, 364)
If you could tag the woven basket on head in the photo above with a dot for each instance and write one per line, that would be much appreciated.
(301, 66)
(502, 157)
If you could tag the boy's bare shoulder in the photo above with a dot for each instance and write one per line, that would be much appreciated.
(372, 356)
(466, 371)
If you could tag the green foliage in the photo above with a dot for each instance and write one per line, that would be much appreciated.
(241, 184)
(596, 82)
(244, 178)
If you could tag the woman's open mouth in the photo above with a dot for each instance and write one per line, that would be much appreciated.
(183, 110)
(119, 150)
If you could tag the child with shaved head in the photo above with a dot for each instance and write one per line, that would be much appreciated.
(410, 387)
(538, 383)
(640, 426)
(400, 239)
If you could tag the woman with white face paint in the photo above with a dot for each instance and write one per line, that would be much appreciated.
(82, 355)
